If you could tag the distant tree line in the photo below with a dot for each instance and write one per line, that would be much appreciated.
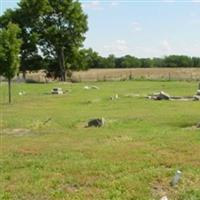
(88, 59)
(91, 59)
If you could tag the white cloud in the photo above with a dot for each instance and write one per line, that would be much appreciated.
(165, 46)
(98, 5)
(193, 14)
(118, 47)
(121, 45)
(160, 49)
(93, 5)
(195, 22)
(136, 26)
(168, 1)
(196, 1)
(194, 18)
(114, 3)
(192, 49)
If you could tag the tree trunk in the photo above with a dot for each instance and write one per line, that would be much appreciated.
(61, 60)
(23, 67)
(9, 89)
(24, 74)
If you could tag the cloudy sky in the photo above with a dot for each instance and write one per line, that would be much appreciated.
(145, 28)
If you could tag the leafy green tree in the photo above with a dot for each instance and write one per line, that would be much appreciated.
(178, 61)
(29, 50)
(130, 62)
(34, 62)
(158, 62)
(118, 62)
(90, 58)
(81, 60)
(52, 67)
(101, 62)
(146, 62)
(9, 53)
(196, 61)
(110, 61)
(61, 25)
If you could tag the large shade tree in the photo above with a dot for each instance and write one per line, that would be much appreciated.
(9, 53)
(61, 25)
(29, 50)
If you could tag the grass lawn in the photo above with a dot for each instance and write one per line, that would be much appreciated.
(134, 156)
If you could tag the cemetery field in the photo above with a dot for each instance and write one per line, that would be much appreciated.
(47, 153)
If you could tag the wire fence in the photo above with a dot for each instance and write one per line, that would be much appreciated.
(179, 74)
(190, 74)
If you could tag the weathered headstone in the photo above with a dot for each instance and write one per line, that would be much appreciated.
(95, 87)
(96, 122)
(163, 96)
(57, 91)
(160, 96)
(196, 98)
(176, 178)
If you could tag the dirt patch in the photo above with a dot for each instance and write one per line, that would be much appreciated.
(16, 131)
(28, 151)
(40, 124)
(192, 126)
(122, 138)
(71, 188)
(160, 189)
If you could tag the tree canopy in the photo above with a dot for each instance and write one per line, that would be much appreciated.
(94, 60)
(61, 25)
(9, 52)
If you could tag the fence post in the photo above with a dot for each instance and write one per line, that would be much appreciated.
(169, 76)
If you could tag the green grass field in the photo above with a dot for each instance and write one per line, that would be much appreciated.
(134, 156)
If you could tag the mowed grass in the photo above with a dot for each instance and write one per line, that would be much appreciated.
(134, 156)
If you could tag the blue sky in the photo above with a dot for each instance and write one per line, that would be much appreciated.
(142, 28)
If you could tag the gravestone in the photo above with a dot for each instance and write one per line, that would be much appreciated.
(96, 122)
